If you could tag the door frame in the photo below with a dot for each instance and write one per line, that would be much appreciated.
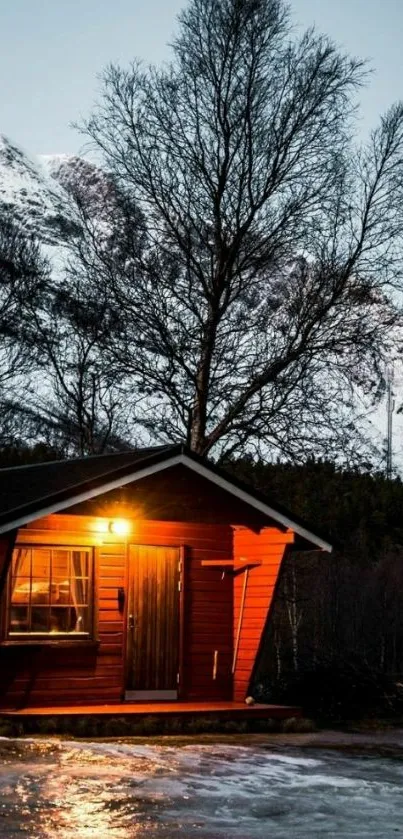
(158, 695)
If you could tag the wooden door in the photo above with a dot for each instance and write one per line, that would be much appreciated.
(152, 664)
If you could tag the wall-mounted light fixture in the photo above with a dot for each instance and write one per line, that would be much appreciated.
(119, 527)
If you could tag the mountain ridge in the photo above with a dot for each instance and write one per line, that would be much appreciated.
(37, 192)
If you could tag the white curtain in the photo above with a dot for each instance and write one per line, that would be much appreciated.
(78, 589)
(20, 557)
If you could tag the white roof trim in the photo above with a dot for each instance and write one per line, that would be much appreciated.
(243, 495)
(78, 497)
(175, 460)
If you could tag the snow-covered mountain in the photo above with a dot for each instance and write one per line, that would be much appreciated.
(87, 182)
(36, 191)
(32, 197)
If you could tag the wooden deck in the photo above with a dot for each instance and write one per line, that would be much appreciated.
(220, 710)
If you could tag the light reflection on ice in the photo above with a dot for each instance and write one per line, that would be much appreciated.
(77, 790)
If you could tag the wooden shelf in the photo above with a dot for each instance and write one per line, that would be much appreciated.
(231, 563)
(218, 562)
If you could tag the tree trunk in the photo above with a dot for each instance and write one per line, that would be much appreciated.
(294, 614)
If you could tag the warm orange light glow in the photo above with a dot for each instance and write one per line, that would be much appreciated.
(120, 527)
(99, 526)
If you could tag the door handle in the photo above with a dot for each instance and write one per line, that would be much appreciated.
(132, 622)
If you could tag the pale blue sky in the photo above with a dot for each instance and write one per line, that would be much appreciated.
(52, 50)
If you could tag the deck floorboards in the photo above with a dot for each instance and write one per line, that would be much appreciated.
(227, 710)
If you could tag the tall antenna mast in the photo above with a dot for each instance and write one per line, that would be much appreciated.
(390, 407)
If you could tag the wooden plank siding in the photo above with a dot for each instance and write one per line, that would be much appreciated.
(267, 548)
(208, 626)
(46, 675)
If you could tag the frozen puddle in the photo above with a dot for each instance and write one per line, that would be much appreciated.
(96, 790)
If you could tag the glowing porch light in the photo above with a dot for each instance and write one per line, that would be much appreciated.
(120, 527)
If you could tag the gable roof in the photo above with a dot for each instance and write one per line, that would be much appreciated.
(29, 492)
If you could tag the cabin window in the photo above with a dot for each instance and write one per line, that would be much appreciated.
(50, 592)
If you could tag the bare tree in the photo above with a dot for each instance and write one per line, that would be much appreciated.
(74, 401)
(24, 276)
(79, 406)
(256, 247)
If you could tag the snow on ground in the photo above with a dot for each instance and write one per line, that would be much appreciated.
(79, 790)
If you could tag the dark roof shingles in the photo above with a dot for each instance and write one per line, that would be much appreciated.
(23, 486)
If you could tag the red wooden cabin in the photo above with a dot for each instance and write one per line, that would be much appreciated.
(145, 575)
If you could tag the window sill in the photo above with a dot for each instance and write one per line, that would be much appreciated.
(65, 643)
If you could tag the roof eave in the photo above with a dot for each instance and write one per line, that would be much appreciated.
(176, 456)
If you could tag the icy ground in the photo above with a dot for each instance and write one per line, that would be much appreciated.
(51, 790)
